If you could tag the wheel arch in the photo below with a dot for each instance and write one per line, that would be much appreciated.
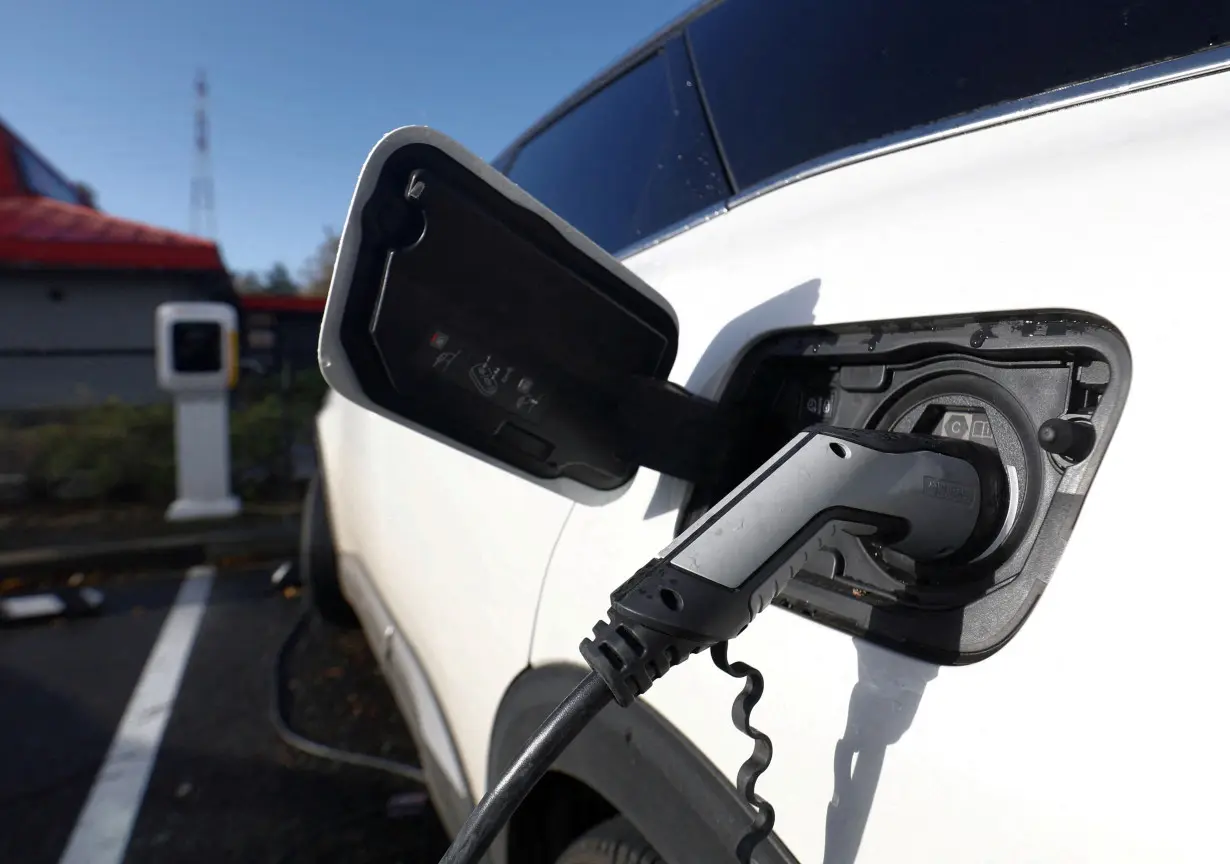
(637, 762)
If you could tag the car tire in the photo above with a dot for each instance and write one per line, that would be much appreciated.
(613, 842)
(318, 559)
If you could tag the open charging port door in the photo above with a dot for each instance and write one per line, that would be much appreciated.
(466, 310)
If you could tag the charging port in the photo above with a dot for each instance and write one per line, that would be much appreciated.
(992, 382)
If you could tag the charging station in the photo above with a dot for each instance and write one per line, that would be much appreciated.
(196, 353)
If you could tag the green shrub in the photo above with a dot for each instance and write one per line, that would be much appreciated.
(258, 447)
(265, 424)
(114, 451)
(126, 453)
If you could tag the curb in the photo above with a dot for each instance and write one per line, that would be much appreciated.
(152, 552)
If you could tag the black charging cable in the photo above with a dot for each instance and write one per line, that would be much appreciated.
(279, 716)
(553, 736)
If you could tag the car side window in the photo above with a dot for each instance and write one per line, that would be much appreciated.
(631, 160)
(788, 81)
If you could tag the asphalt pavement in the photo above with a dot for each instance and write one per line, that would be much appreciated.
(144, 734)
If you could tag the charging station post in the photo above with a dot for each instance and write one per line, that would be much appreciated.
(196, 353)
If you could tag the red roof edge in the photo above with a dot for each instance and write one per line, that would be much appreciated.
(107, 255)
(36, 231)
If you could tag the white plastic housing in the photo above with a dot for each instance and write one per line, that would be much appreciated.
(166, 317)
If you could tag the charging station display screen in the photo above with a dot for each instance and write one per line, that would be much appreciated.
(196, 347)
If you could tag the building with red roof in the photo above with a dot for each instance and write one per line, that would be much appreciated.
(78, 289)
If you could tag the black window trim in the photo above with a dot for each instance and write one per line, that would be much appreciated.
(707, 113)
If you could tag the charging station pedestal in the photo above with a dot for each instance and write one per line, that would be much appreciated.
(196, 352)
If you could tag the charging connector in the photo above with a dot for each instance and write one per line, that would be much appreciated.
(930, 498)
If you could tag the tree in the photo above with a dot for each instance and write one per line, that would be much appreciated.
(248, 283)
(315, 276)
(318, 271)
(278, 281)
(86, 195)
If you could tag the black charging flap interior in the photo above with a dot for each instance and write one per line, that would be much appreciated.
(473, 313)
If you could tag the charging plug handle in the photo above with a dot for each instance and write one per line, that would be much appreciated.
(933, 499)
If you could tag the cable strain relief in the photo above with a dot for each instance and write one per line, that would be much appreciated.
(630, 657)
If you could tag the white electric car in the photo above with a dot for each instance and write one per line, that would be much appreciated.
(960, 218)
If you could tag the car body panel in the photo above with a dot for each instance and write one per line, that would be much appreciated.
(1059, 747)
(455, 549)
(415, 696)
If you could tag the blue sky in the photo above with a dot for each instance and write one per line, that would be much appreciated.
(300, 93)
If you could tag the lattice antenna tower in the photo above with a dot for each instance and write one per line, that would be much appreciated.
(202, 218)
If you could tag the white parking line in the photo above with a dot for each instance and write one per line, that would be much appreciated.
(105, 823)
